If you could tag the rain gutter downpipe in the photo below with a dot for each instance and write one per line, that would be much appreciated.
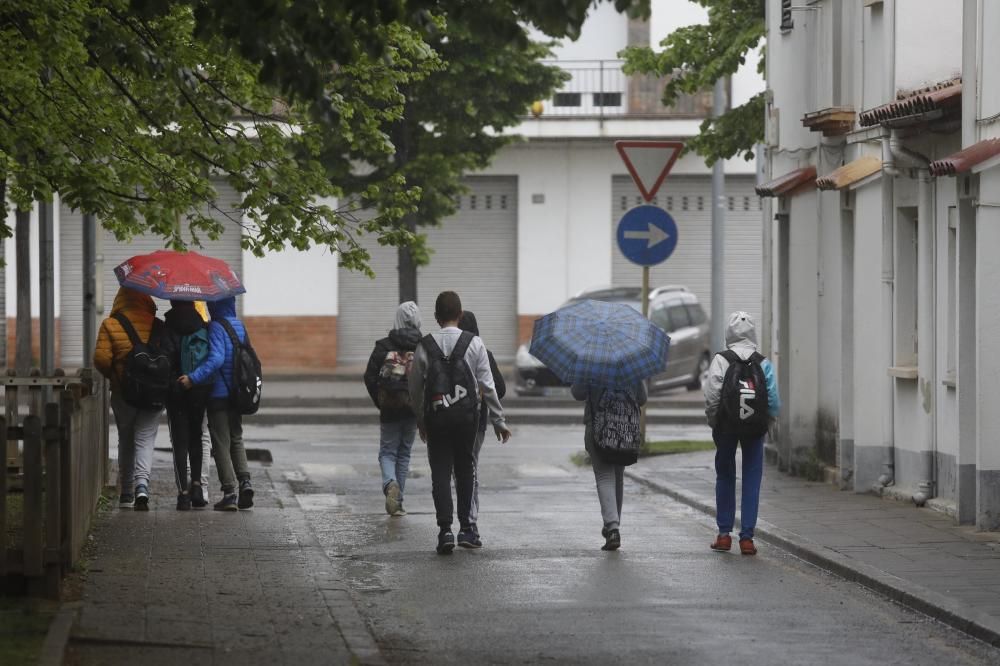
(895, 158)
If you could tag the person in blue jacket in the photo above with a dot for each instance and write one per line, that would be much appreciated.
(225, 422)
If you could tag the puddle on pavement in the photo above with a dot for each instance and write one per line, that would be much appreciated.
(318, 502)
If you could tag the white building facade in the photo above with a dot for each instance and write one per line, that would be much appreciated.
(882, 226)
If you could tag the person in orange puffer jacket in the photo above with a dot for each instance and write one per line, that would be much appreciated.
(136, 427)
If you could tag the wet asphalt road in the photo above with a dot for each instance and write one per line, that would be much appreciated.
(541, 590)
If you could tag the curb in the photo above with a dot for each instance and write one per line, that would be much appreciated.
(904, 592)
(57, 637)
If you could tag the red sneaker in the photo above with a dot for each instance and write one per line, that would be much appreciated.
(722, 542)
(747, 547)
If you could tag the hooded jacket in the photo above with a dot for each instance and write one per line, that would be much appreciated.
(405, 336)
(113, 344)
(217, 369)
(183, 318)
(468, 323)
(741, 337)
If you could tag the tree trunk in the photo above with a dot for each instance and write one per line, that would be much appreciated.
(22, 249)
(407, 266)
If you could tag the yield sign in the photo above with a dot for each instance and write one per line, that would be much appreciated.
(649, 162)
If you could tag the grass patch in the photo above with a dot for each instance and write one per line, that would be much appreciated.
(671, 446)
(15, 519)
(23, 626)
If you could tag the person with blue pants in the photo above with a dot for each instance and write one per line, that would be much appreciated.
(741, 339)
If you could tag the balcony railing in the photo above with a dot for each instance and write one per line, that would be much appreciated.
(600, 89)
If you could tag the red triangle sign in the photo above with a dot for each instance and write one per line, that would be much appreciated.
(649, 162)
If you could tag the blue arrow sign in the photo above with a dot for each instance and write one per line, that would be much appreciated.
(647, 235)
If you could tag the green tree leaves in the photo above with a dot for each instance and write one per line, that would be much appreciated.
(694, 57)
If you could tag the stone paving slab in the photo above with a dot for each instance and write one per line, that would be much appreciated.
(916, 556)
(208, 587)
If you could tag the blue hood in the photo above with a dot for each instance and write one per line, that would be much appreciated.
(224, 308)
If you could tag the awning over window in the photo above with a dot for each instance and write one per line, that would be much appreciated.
(850, 174)
(925, 105)
(966, 159)
(782, 185)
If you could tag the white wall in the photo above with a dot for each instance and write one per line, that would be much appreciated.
(603, 35)
(989, 73)
(928, 42)
(11, 263)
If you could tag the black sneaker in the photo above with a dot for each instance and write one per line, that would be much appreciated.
(246, 495)
(612, 540)
(126, 501)
(141, 498)
(467, 538)
(446, 542)
(227, 503)
(198, 500)
(183, 502)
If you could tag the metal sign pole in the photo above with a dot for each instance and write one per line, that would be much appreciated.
(645, 313)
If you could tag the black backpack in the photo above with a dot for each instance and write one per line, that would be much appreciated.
(450, 399)
(247, 378)
(615, 426)
(146, 378)
(743, 402)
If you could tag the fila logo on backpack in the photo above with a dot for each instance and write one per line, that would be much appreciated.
(743, 400)
(450, 398)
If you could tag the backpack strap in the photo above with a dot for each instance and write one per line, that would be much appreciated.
(731, 356)
(231, 332)
(461, 346)
(432, 347)
(130, 331)
(756, 357)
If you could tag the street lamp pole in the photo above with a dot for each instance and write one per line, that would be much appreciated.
(717, 332)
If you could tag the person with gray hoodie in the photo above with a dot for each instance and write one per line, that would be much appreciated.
(386, 379)
(739, 409)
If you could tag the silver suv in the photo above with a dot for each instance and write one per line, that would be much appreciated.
(677, 311)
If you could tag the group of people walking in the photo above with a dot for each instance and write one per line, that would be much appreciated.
(186, 364)
(446, 386)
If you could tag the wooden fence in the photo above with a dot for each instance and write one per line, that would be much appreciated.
(61, 468)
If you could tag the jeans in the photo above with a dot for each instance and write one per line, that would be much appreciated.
(136, 439)
(451, 451)
(395, 445)
(476, 448)
(226, 427)
(725, 481)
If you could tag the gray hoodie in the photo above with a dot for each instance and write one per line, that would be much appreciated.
(741, 337)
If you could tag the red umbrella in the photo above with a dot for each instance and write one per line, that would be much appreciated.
(180, 276)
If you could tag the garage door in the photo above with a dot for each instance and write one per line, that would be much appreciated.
(475, 254)
(689, 202)
(226, 247)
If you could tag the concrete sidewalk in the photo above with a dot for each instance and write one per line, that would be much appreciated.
(915, 556)
(202, 587)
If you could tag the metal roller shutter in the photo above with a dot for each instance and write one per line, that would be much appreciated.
(475, 254)
(688, 199)
(227, 247)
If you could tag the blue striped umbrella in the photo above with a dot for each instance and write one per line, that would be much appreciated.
(605, 344)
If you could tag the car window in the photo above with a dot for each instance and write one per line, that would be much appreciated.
(659, 317)
(696, 313)
(678, 317)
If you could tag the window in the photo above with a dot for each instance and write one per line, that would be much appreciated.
(489, 202)
(696, 314)
(566, 99)
(659, 317)
(906, 287)
(678, 317)
(786, 15)
(472, 202)
(608, 99)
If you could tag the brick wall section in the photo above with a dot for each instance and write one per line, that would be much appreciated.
(35, 341)
(525, 324)
(294, 343)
